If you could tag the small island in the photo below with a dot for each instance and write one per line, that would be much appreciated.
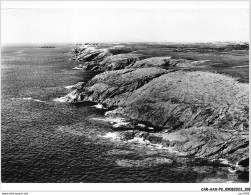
(47, 47)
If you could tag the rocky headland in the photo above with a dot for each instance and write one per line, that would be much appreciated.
(199, 114)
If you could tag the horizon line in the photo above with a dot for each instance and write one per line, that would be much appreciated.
(114, 42)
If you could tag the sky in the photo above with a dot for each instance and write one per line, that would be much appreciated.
(166, 21)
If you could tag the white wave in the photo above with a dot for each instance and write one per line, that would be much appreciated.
(120, 124)
(21, 51)
(61, 99)
(37, 100)
(243, 66)
(98, 106)
(111, 112)
(224, 161)
(69, 87)
(159, 146)
(115, 122)
(141, 125)
(143, 141)
(139, 140)
(111, 135)
(78, 85)
(29, 98)
(77, 68)
(118, 120)
(68, 98)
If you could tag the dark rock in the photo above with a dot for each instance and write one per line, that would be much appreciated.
(78, 86)
(244, 162)
(107, 86)
(93, 55)
(155, 139)
(206, 114)
(119, 61)
(172, 100)
(101, 59)
(127, 135)
(78, 50)
(142, 134)
(206, 142)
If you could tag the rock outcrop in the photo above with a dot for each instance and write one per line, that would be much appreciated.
(102, 59)
(207, 145)
(202, 114)
(210, 143)
(166, 62)
(198, 114)
(119, 61)
(172, 99)
(91, 54)
(151, 62)
(106, 86)
(77, 50)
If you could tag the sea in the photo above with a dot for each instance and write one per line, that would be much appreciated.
(46, 141)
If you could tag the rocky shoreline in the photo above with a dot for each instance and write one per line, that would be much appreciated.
(198, 114)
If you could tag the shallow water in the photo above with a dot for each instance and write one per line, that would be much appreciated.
(48, 141)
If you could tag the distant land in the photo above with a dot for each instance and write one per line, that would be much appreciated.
(47, 47)
(190, 97)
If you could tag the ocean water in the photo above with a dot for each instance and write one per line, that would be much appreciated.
(47, 141)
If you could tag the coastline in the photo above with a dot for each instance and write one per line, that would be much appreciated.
(123, 81)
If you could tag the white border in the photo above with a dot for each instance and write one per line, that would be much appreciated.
(66, 188)
(117, 187)
(126, 4)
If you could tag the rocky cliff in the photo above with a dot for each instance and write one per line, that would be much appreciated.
(101, 59)
(166, 62)
(199, 114)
